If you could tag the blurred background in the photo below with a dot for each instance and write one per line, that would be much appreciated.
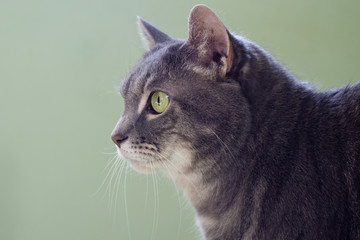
(60, 64)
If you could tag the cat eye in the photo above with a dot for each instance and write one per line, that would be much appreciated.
(159, 101)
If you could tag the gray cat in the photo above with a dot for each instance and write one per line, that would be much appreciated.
(258, 154)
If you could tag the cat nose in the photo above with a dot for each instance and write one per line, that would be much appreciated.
(118, 140)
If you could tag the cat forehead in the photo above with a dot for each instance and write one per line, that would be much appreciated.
(135, 82)
(138, 81)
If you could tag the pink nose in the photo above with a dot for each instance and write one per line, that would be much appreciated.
(118, 140)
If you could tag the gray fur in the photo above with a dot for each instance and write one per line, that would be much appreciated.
(259, 154)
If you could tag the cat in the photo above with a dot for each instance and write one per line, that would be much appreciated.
(258, 154)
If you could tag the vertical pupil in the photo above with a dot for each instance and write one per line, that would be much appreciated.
(158, 100)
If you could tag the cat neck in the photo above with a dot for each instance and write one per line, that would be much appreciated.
(211, 188)
(214, 193)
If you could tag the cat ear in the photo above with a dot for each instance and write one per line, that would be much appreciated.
(210, 37)
(151, 35)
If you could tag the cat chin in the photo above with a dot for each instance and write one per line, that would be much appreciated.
(141, 166)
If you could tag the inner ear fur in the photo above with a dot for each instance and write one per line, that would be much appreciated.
(210, 37)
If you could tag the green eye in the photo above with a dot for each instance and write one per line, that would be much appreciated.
(159, 101)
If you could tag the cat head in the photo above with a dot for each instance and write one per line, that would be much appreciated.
(183, 108)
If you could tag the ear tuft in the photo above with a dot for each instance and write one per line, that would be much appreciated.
(151, 35)
(209, 36)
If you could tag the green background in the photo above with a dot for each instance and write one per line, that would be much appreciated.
(60, 64)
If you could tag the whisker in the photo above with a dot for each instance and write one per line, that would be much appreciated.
(109, 153)
(126, 206)
(155, 205)
(180, 172)
(114, 158)
(176, 168)
(166, 167)
(147, 190)
(117, 186)
(226, 147)
(113, 161)
(157, 202)
(109, 188)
